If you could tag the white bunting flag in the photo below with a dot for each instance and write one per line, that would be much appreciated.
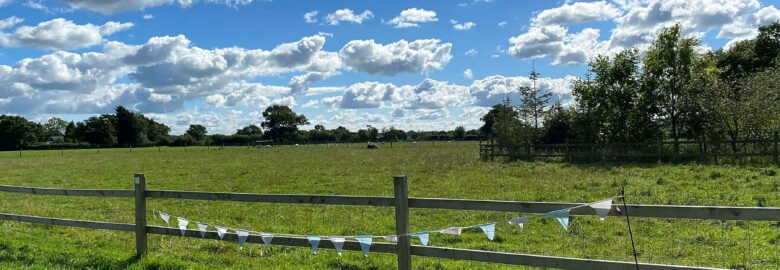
(221, 231)
(338, 242)
(165, 217)
(202, 228)
(562, 216)
(423, 238)
(602, 208)
(391, 238)
(365, 244)
(267, 238)
(521, 221)
(242, 236)
(489, 229)
(314, 241)
(183, 225)
(452, 230)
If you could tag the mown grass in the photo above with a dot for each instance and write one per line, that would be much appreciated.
(446, 171)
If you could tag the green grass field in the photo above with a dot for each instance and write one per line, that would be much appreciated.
(447, 171)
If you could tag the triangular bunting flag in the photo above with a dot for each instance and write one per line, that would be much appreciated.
(221, 231)
(365, 244)
(489, 229)
(338, 242)
(242, 236)
(423, 238)
(391, 238)
(452, 230)
(562, 216)
(165, 217)
(521, 221)
(202, 228)
(314, 241)
(183, 225)
(602, 208)
(267, 238)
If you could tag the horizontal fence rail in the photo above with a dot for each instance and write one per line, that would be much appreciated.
(69, 192)
(636, 210)
(653, 211)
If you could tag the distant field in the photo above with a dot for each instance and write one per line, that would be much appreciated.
(446, 171)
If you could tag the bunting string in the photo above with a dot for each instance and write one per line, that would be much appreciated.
(601, 208)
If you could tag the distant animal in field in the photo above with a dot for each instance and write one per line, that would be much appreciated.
(372, 146)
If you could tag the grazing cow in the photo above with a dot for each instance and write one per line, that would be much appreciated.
(372, 146)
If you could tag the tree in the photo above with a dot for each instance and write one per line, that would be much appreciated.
(613, 105)
(131, 128)
(97, 130)
(55, 127)
(668, 71)
(70, 132)
(459, 133)
(342, 134)
(197, 132)
(16, 131)
(559, 125)
(281, 123)
(250, 130)
(490, 117)
(158, 133)
(533, 104)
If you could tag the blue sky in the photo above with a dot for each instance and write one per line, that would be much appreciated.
(410, 64)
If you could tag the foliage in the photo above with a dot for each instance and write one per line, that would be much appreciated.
(281, 123)
(15, 132)
(197, 133)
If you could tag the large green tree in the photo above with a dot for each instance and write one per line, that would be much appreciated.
(281, 123)
(670, 66)
(16, 131)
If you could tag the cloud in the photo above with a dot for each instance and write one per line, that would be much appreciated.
(578, 12)
(58, 34)
(398, 57)
(502, 24)
(347, 15)
(492, 90)
(311, 16)
(462, 26)
(471, 52)
(5, 2)
(108, 7)
(413, 17)
(10, 22)
(148, 16)
(468, 74)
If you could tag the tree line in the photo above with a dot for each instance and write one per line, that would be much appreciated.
(672, 92)
(125, 128)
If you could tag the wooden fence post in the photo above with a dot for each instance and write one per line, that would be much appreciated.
(776, 153)
(402, 222)
(140, 215)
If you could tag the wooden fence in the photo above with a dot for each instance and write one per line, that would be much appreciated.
(666, 151)
(402, 203)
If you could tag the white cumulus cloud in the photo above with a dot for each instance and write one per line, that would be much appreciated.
(347, 15)
(413, 17)
(58, 34)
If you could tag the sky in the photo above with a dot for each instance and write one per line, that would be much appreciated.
(420, 65)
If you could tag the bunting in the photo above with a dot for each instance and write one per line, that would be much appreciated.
(165, 217)
(202, 228)
(365, 244)
(267, 238)
(221, 231)
(489, 230)
(602, 209)
(314, 241)
(183, 225)
(242, 236)
(423, 237)
(562, 216)
(338, 242)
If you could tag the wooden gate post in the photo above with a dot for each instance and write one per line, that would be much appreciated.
(402, 222)
(140, 215)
